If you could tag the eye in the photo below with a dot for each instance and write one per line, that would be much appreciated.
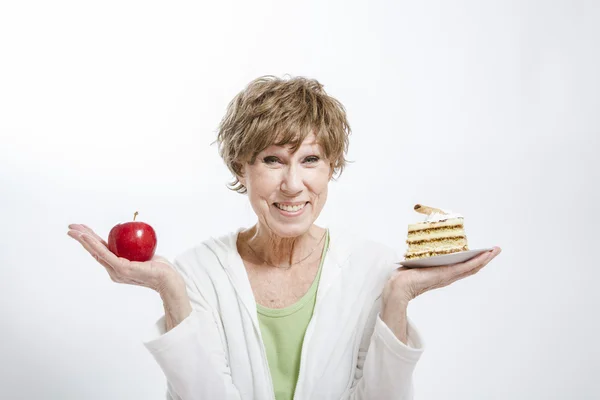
(270, 159)
(311, 159)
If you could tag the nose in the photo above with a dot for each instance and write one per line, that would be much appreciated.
(291, 183)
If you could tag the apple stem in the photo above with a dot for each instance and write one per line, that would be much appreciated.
(135, 215)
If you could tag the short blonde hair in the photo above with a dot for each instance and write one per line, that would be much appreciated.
(275, 111)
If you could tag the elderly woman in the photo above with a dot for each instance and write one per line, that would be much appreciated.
(284, 309)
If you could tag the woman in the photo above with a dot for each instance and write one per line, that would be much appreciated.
(284, 309)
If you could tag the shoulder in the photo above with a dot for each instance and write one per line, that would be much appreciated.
(207, 257)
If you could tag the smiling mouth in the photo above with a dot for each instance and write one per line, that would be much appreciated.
(290, 208)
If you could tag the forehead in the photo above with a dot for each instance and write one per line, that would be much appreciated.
(294, 144)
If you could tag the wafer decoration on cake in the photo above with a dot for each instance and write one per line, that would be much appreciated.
(442, 232)
(428, 210)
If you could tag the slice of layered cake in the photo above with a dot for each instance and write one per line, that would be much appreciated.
(442, 232)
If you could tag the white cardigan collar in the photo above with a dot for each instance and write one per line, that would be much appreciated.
(336, 259)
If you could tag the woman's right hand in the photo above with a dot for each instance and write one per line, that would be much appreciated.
(157, 274)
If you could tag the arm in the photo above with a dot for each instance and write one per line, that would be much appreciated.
(394, 345)
(189, 348)
(385, 363)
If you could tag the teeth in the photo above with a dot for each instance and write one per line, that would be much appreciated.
(290, 208)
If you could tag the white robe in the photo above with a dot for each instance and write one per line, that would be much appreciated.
(348, 352)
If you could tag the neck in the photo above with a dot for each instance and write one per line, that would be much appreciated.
(285, 251)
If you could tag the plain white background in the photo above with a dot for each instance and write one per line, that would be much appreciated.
(487, 108)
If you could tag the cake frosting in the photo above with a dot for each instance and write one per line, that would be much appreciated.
(437, 217)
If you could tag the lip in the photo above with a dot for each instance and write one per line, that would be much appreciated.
(291, 213)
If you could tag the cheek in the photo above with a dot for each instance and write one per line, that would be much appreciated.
(323, 178)
(263, 184)
(320, 185)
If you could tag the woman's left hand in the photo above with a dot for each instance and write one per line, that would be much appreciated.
(407, 283)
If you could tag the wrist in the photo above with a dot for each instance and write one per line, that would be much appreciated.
(396, 319)
(399, 297)
(391, 309)
(173, 291)
(176, 304)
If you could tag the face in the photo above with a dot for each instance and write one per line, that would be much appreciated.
(288, 191)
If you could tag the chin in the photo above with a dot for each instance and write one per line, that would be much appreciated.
(290, 230)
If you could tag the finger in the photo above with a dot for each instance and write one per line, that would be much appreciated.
(89, 231)
(452, 272)
(78, 228)
(96, 236)
(492, 255)
(86, 229)
(101, 261)
(79, 237)
(477, 268)
(102, 251)
(465, 267)
(119, 269)
(473, 271)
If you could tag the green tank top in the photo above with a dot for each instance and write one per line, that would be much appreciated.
(283, 332)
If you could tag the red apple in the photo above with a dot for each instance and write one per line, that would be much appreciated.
(135, 241)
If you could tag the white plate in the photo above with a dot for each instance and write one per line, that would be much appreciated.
(445, 259)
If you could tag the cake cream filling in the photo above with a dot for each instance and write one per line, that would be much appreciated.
(290, 208)
(437, 245)
(433, 239)
(449, 223)
(436, 232)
